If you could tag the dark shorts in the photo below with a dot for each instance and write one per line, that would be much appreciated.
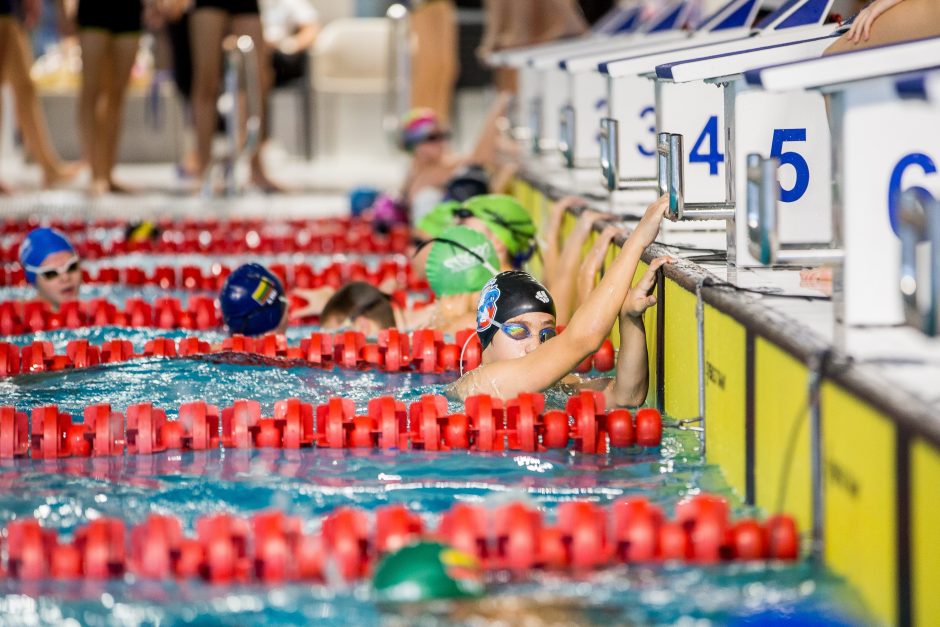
(118, 18)
(232, 7)
(6, 7)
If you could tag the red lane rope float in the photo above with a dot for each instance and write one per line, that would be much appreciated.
(271, 547)
(190, 277)
(201, 313)
(334, 235)
(423, 351)
(485, 425)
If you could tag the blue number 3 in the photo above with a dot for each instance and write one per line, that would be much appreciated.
(795, 159)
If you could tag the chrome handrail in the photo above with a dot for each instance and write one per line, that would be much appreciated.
(919, 221)
(241, 60)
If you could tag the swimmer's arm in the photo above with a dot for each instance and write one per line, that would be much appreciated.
(563, 288)
(591, 265)
(631, 384)
(548, 245)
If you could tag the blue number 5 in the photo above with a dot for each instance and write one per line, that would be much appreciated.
(794, 159)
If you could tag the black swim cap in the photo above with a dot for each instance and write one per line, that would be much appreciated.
(507, 295)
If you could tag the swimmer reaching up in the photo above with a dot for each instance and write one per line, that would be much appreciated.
(522, 351)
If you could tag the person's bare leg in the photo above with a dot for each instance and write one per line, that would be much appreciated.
(206, 30)
(124, 52)
(251, 25)
(6, 23)
(96, 69)
(909, 20)
(18, 60)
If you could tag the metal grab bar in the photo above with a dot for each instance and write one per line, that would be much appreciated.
(672, 181)
(609, 140)
(241, 59)
(763, 223)
(566, 136)
(535, 124)
(398, 96)
(920, 221)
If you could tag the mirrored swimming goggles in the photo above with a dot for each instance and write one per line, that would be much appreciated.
(71, 265)
(520, 331)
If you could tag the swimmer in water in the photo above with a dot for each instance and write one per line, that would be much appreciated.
(51, 265)
(253, 301)
(522, 351)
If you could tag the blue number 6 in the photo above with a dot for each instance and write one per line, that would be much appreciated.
(795, 159)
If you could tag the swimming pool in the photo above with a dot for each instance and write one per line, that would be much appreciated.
(64, 494)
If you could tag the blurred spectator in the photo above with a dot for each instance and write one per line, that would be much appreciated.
(290, 29)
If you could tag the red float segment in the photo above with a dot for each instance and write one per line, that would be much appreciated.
(30, 549)
(391, 422)
(37, 357)
(297, 418)
(160, 347)
(584, 524)
(427, 417)
(106, 430)
(346, 534)
(465, 528)
(523, 422)
(333, 421)
(488, 428)
(638, 532)
(517, 531)
(156, 547)
(783, 540)
(224, 540)
(620, 428)
(200, 422)
(82, 354)
(347, 348)
(49, 433)
(396, 527)
(102, 547)
(240, 424)
(604, 358)
(471, 349)
(9, 359)
(587, 411)
(395, 350)
(649, 427)
(749, 540)
(426, 344)
(14, 433)
(114, 351)
(145, 429)
(706, 519)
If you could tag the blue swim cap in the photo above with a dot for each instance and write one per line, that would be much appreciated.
(252, 300)
(39, 244)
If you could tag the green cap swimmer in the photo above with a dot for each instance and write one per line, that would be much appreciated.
(506, 218)
(461, 261)
(438, 219)
(427, 571)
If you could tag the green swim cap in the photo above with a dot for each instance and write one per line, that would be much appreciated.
(438, 219)
(427, 571)
(461, 261)
(506, 218)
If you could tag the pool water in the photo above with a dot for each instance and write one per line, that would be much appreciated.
(64, 494)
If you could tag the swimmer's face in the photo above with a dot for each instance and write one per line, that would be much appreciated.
(432, 149)
(479, 225)
(504, 347)
(66, 277)
(363, 325)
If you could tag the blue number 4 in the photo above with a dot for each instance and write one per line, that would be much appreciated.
(712, 157)
(795, 159)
